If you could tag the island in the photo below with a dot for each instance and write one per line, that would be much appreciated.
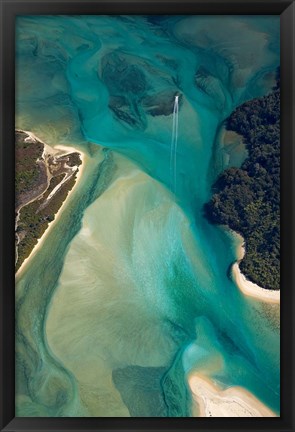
(247, 198)
(44, 177)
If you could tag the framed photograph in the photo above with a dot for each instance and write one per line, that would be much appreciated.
(147, 195)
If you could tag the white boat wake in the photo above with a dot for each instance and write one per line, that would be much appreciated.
(173, 147)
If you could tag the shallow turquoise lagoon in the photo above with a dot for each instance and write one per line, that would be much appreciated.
(131, 290)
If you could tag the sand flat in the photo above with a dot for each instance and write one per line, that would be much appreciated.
(233, 402)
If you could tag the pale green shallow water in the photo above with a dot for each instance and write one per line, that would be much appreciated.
(130, 290)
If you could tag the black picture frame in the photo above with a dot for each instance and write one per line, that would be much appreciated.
(9, 9)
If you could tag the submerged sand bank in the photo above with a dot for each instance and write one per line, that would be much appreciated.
(211, 401)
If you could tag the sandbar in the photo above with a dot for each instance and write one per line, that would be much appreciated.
(63, 150)
(235, 401)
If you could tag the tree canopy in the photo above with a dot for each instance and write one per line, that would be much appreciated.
(247, 199)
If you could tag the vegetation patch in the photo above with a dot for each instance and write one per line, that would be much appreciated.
(36, 178)
(247, 199)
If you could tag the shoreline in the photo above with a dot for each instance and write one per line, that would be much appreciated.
(211, 401)
(247, 287)
(40, 240)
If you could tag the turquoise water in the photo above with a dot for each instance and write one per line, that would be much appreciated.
(130, 290)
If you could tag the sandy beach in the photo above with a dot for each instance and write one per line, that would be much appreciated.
(63, 150)
(31, 136)
(211, 401)
(251, 289)
(247, 287)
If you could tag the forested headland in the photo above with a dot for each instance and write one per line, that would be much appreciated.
(247, 199)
